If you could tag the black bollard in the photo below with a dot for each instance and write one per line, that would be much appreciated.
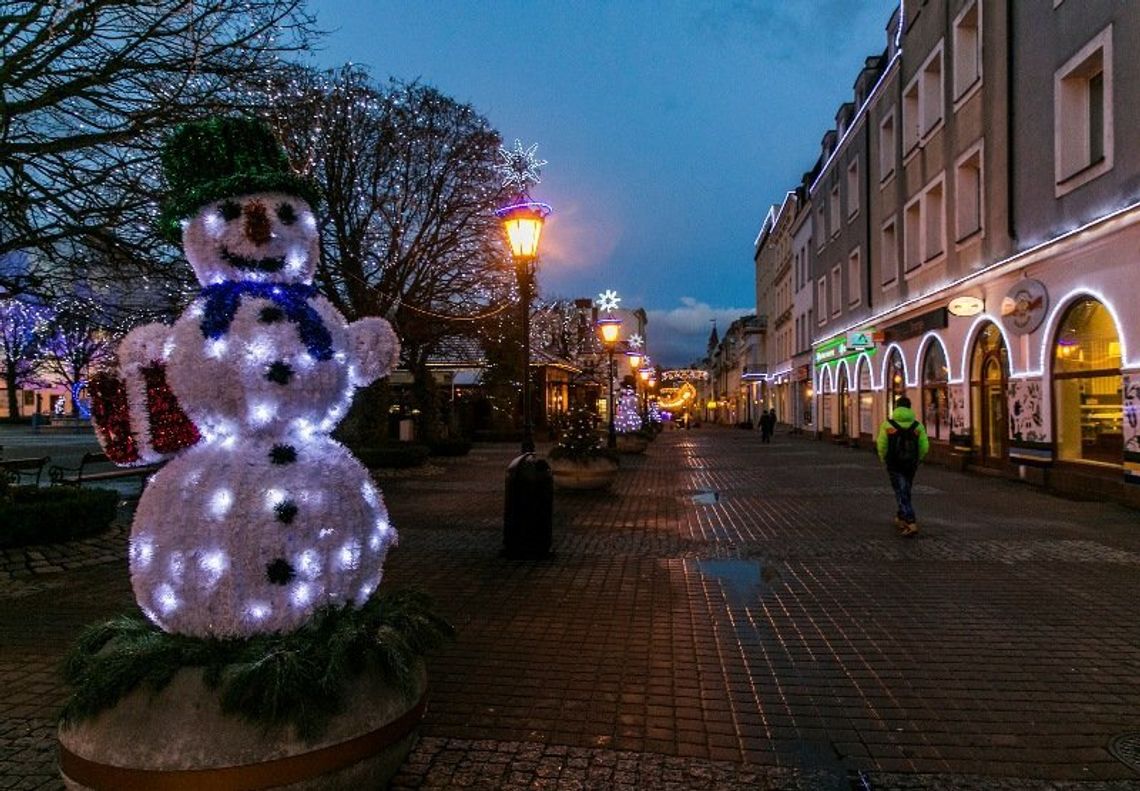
(528, 509)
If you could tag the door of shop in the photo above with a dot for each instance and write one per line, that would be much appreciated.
(988, 382)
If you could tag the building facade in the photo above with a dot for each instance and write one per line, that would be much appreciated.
(997, 235)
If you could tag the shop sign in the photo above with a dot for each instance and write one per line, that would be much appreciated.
(919, 325)
(803, 372)
(857, 341)
(1024, 306)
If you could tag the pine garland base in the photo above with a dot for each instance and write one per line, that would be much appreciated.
(180, 737)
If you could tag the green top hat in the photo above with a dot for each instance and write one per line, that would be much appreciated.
(219, 158)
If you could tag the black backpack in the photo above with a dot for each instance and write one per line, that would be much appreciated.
(902, 447)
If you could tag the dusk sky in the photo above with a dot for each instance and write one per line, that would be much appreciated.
(670, 127)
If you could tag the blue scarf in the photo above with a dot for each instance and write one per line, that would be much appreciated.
(224, 299)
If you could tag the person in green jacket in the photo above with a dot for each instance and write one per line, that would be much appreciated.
(902, 443)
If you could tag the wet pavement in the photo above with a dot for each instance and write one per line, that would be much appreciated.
(733, 615)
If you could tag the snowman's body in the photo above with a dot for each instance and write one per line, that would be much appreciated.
(267, 518)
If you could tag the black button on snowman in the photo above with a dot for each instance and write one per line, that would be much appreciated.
(266, 518)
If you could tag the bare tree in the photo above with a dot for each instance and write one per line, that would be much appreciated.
(410, 180)
(87, 89)
(79, 338)
(22, 330)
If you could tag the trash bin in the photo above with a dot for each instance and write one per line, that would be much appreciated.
(529, 507)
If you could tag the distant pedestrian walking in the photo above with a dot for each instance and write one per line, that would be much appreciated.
(902, 443)
(766, 424)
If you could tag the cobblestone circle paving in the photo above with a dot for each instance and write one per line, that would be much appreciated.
(733, 615)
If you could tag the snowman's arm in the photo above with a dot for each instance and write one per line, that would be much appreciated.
(374, 349)
(144, 345)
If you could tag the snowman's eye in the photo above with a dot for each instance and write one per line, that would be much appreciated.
(286, 214)
(230, 210)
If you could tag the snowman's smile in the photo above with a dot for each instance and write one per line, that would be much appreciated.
(270, 264)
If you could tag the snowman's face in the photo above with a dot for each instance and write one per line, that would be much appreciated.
(265, 236)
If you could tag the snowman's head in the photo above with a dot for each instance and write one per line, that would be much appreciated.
(264, 236)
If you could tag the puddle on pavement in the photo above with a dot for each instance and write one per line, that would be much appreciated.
(706, 498)
(743, 581)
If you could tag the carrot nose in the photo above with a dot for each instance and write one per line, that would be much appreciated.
(257, 223)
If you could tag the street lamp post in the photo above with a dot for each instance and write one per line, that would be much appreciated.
(609, 328)
(522, 224)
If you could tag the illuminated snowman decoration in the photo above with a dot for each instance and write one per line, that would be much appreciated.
(265, 518)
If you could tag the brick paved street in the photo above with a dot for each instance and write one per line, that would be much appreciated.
(733, 615)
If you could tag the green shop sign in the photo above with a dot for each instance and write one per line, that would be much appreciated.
(844, 346)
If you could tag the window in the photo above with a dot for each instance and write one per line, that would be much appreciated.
(911, 127)
(833, 210)
(924, 230)
(967, 50)
(895, 383)
(922, 101)
(888, 244)
(29, 398)
(1082, 114)
(1088, 387)
(934, 213)
(912, 235)
(887, 147)
(854, 278)
(853, 189)
(836, 290)
(821, 228)
(821, 300)
(968, 194)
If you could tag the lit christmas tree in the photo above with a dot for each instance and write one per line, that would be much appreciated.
(654, 412)
(626, 417)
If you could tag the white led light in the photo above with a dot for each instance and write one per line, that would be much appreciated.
(368, 492)
(259, 350)
(262, 414)
(214, 562)
(142, 551)
(167, 600)
(220, 503)
(274, 497)
(214, 223)
(325, 532)
(309, 563)
(302, 594)
(258, 610)
(216, 348)
(350, 555)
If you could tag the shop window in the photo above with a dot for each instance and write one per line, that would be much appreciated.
(1088, 387)
(935, 392)
(968, 194)
(844, 401)
(989, 372)
(1082, 115)
(866, 399)
(967, 50)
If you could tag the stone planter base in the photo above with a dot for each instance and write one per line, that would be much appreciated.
(179, 739)
(631, 443)
(596, 473)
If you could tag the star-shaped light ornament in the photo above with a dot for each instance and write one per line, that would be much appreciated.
(636, 342)
(520, 166)
(608, 301)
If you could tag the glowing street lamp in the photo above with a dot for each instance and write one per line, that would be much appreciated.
(609, 327)
(522, 226)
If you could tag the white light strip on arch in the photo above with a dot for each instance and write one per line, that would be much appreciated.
(1054, 316)
(971, 338)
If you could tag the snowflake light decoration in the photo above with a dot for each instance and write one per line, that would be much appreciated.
(520, 166)
(636, 342)
(608, 300)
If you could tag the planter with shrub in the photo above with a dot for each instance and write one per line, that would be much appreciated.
(578, 460)
(34, 515)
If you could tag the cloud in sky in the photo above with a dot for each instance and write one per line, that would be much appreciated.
(679, 335)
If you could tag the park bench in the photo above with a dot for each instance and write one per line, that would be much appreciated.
(97, 468)
(24, 472)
